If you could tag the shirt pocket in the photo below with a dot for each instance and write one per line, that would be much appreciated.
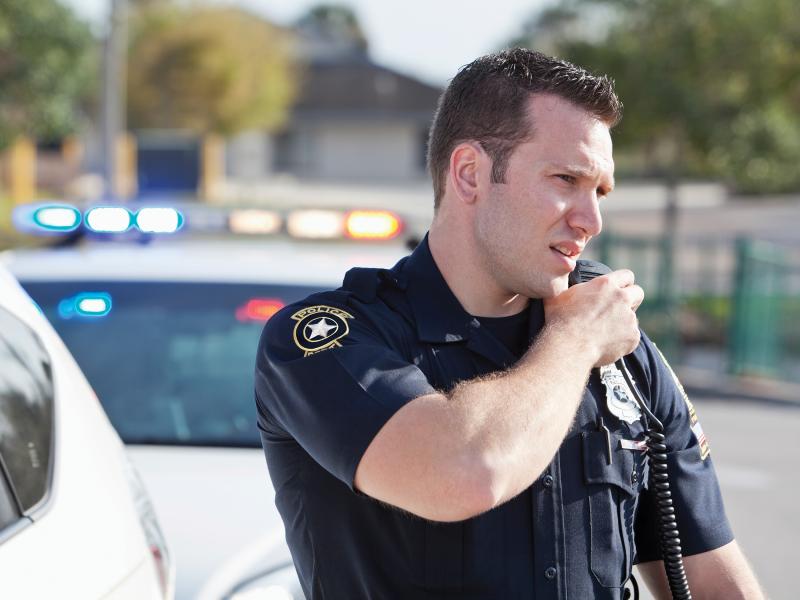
(612, 492)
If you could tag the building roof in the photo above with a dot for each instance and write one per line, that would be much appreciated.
(358, 85)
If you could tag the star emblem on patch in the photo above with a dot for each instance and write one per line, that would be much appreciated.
(320, 328)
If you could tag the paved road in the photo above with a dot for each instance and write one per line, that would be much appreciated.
(756, 451)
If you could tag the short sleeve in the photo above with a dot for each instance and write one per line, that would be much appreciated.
(329, 380)
(696, 496)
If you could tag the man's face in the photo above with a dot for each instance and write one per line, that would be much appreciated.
(531, 229)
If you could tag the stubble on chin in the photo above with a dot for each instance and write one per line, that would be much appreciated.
(551, 289)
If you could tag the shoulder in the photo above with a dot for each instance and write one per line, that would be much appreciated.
(650, 363)
(316, 323)
(667, 397)
(353, 314)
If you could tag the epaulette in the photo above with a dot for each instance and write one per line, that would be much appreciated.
(363, 283)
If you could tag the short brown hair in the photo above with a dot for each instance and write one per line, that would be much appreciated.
(486, 102)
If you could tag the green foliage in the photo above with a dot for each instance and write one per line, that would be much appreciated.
(763, 148)
(47, 69)
(207, 69)
(710, 87)
(705, 319)
(335, 22)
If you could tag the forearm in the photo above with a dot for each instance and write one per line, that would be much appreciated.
(448, 458)
(513, 423)
(721, 574)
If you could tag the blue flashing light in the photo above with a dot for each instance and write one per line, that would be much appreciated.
(45, 218)
(57, 217)
(86, 304)
(158, 220)
(109, 219)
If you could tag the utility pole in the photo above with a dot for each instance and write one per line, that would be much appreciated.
(114, 93)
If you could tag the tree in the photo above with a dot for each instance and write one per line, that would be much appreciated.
(711, 87)
(207, 69)
(47, 70)
(333, 28)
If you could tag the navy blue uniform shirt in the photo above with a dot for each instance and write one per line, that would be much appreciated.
(333, 369)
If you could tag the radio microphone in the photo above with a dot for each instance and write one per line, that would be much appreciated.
(586, 270)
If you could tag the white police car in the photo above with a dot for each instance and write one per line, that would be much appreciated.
(167, 332)
(75, 520)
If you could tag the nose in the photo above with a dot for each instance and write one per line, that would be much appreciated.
(585, 215)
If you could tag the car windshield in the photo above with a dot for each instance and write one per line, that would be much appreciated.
(172, 363)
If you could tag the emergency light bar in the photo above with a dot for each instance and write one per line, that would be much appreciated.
(302, 223)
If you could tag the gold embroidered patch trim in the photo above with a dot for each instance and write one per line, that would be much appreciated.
(319, 328)
(697, 429)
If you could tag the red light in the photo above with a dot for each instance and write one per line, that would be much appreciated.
(258, 309)
(372, 225)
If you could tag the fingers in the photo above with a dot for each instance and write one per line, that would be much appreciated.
(622, 278)
(635, 296)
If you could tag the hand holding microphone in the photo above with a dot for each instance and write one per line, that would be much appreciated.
(600, 308)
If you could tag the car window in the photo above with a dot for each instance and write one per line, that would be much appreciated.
(172, 363)
(26, 419)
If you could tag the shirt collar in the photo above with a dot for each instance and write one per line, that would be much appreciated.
(438, 313)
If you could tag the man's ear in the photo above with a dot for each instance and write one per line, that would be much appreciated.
(468, 163)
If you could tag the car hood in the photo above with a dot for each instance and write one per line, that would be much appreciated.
(216, 508)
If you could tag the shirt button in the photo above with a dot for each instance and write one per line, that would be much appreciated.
(547, 481)
(550, 573)
(634, 477)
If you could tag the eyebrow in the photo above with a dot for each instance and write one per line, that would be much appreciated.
(577, 171)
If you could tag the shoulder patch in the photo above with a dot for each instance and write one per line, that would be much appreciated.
(697, 429)
(319, 328)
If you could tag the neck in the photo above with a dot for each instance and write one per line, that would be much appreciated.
(463, 270)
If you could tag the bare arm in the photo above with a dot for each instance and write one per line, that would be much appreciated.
(721, 574)
(451, 457)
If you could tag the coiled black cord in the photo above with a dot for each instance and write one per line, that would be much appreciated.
(670, 540)
(659, 481)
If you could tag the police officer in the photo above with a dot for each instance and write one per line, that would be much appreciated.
(453, 427)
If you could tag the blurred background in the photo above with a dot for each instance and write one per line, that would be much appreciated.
(279, 104)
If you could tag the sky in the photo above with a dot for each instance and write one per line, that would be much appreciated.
(429, 39)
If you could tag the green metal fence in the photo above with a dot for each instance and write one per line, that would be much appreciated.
(765, 320)
(738, 301)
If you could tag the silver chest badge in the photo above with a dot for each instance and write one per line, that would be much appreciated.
(619, 397)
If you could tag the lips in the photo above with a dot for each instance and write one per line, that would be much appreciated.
(566, 254)
(568, 249)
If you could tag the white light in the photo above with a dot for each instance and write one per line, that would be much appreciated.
(254, 221)
(59, 218)
(316, 224)
(108, 219)
(93, 305)
(158, 220)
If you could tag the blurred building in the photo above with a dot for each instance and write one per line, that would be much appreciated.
(354, 121)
